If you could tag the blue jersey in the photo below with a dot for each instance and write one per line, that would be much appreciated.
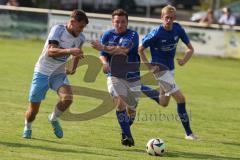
(129, 64)
(163, 44)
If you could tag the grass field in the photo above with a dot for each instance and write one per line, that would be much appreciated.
(211, 86)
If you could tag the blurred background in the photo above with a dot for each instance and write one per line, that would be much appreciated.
(33, 19)
(148, 8)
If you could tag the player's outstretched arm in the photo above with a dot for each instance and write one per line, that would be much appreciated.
(54, 51)
(113, 50)
(187, 56)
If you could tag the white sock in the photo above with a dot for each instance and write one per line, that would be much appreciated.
(55, 114)
(28, 125)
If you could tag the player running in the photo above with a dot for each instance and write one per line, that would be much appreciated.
(63, 41)
(163, 41)
(119, 55)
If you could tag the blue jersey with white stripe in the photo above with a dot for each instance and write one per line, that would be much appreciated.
(130, 40)
(163, 44)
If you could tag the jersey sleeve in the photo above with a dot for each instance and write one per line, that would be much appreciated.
(135, 40)
(148, 39)
(184, 36)
(54, 35)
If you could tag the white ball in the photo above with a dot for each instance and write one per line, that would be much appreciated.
(155, 147)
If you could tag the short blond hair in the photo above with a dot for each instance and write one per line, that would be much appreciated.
(168, 9)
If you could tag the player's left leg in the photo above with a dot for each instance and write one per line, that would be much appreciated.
(30, 116)
(60, 84)
(183, 115)
(65, 100)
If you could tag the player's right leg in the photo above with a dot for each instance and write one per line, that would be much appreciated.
(123, 120)
(60, 84)
(38, 90)
(183, 115)
(118, 91)
(30, 116)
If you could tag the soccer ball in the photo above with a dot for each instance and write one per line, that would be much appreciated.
(155, 147)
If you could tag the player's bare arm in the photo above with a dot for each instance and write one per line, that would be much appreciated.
(54, 51)
(106, 67)
(141, 52)
(187, 56)
(73, 66)
(113, 50)
(75, 61)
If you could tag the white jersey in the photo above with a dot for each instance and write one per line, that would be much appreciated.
(60, 36)
(224, 19)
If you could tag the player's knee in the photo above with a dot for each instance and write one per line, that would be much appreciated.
(67, 100)
(66, 97)
(163, 104)
(120, 106)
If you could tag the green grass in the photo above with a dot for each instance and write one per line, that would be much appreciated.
(211, 86)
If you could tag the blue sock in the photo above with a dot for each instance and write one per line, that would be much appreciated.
(182, 113)
(151, 93)
(123, 120)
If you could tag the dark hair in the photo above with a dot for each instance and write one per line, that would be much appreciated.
(120, 12)
(79, 15)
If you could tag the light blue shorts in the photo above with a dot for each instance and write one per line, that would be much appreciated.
(41, 83)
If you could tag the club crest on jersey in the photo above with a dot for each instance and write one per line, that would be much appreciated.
(125, 43)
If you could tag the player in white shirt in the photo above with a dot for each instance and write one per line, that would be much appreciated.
(63, 42)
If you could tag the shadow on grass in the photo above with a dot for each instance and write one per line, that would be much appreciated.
(52, 149)
(128, 149)
(197, 156)
(45, 140)
(232, 143)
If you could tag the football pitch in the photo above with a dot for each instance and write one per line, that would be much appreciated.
(211, 86)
